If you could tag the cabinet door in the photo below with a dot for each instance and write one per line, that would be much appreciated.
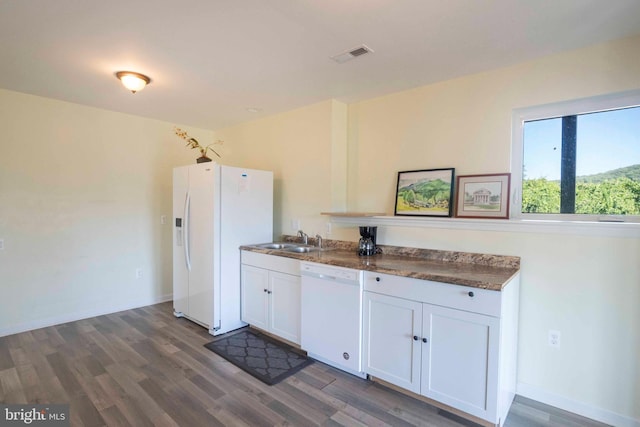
(255, 285)
(459, 360)
(285, 306)
(390, 351)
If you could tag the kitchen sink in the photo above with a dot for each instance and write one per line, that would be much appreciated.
(291, 247)
(276, 245)
(302, 249)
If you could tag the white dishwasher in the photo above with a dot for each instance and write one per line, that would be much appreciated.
(331, 315)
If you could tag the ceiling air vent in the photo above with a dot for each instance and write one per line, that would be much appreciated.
(351, 53)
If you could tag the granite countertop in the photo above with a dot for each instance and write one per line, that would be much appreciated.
(482, 271)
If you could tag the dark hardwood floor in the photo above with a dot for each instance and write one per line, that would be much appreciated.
(144, 367)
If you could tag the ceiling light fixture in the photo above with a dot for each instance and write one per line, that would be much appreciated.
(133, 81)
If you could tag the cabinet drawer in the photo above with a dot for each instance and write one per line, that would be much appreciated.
(466, 298)
(271, 262)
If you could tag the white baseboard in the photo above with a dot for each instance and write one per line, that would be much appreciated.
(79, 315)
(580, 408)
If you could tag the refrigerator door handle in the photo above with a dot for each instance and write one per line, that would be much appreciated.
(187, 213)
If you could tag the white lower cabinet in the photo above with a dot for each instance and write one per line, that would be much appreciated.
(254, 299)
(448, 353)
(284, 307)
(459, 359)
(390, 353)
(270, 294)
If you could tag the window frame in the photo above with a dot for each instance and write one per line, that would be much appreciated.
(592, 104)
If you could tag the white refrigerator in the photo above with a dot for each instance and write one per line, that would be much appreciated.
(216, 209)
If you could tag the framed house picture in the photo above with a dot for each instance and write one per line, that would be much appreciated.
(427, 192)
(483, 196)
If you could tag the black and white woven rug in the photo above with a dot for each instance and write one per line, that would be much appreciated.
(265, 358)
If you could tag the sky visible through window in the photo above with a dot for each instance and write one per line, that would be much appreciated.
(606, 141)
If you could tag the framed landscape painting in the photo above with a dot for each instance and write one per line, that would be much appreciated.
(426, 192)
(483, 196)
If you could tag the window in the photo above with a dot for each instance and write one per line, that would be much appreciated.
(578, 160)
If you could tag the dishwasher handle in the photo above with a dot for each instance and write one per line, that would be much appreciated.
(325, 277)
(348, 279)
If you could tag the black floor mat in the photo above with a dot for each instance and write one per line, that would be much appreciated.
(265, 358)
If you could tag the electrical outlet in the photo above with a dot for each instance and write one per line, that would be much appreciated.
(1, 244)
(163, 219)
(327, 228)
(295, 224)
(138, 273)
(554, 338)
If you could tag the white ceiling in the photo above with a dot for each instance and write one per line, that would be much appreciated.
(210, 60)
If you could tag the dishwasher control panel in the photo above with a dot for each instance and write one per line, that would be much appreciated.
(330, 272)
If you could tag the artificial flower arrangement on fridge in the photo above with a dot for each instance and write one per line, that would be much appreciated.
(193, 143)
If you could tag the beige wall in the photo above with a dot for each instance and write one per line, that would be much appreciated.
(81, 195)
(586, 286)
(466, 123)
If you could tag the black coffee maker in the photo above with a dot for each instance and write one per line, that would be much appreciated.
(367, 243)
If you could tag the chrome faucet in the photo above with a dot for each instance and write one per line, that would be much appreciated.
(305, 237)
(319, 240)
